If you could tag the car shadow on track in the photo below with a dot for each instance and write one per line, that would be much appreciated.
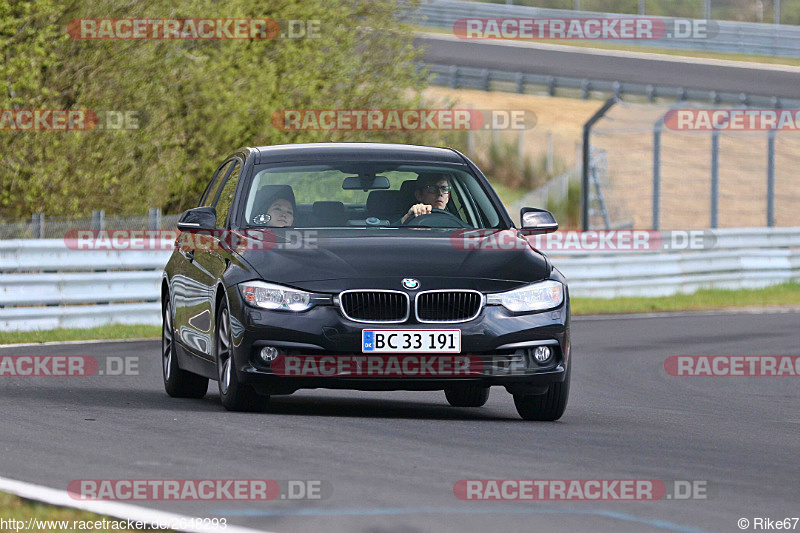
(377, 408)
(299, 405)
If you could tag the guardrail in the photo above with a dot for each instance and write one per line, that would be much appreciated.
(45, 285)
(732, 37)
(458, 77)
(740, 258)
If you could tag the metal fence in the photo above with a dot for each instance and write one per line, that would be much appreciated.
(647, 176)
(458, 77)
(46, 285)
(731, 37)
(43, 226)
(741, 258)
(653, 176)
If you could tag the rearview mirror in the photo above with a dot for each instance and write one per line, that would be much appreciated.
(366, 183)
(199, 218)
(535, 220)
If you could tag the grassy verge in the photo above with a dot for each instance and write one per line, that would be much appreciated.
(116, 331)
(773, 60)
(15, 508)
(787, 294)
(509, 195)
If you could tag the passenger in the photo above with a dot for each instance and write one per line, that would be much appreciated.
(433, 192)
(277, 208)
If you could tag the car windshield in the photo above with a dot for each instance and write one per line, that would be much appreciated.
(368, 195)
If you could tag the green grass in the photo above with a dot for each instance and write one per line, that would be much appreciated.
(509, 195)
(787, 294)
(774, 60)
(15, 508)
(116, 331)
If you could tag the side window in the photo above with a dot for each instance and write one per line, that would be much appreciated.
(226, 195)
(455, 199)
(213, 187)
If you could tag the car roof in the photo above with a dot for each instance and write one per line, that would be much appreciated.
(356, 152)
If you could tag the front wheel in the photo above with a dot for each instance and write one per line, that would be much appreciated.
(235, 396)
(177, 382)
(548, 406)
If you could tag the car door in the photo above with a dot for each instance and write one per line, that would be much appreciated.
(196, 274)
(214, 258)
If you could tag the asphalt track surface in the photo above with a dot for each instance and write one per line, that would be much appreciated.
(631, 67)
(393, 458)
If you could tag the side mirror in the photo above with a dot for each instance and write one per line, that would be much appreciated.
(199, 218)
(537, 220)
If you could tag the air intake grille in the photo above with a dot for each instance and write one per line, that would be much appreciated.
(448, 306)
(374, 306)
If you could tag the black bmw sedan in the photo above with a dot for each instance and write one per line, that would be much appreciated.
(367, 267)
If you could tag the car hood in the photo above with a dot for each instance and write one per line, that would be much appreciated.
(335, 260)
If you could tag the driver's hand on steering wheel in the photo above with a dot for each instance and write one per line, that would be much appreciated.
(415, 211)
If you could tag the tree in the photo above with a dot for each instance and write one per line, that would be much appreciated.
(197, 100)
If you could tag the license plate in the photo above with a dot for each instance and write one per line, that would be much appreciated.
(411, 340)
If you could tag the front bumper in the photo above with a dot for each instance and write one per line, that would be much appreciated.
(500, 341)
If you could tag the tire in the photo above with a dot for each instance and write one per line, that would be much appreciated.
(177, 382)
(234, 395)
(470, 395)
(548, 406)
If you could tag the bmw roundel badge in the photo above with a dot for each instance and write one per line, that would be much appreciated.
(411, 284)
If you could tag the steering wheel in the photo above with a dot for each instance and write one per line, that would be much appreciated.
(437, 218)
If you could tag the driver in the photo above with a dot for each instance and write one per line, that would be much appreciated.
(432, 192)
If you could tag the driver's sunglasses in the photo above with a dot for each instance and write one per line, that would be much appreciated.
(433, 189)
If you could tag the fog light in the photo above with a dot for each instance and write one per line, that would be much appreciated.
(269, 353)
(542, 354)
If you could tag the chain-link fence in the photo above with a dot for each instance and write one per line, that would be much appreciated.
(652, 175)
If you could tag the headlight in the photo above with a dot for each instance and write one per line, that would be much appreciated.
(269, 296)
(534, 297)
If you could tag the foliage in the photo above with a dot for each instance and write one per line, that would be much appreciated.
(567, 210)
(198, 99)
(502, 164)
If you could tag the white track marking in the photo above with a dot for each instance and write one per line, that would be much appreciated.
(93, 341)
(121, 511)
